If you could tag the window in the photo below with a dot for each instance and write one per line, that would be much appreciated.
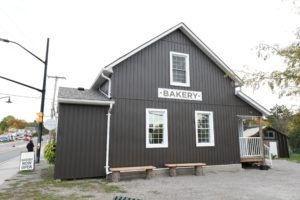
(156, 128)
(269, 134)
(179, 69)
(204, 128)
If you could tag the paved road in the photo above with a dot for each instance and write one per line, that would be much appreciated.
(8, 151)
(11, 154)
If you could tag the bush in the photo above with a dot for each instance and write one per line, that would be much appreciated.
(294, 139)
(49, 152)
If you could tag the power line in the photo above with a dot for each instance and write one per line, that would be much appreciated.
(22, 96)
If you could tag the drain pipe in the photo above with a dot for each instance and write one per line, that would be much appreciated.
(109, 84)
(107, 139)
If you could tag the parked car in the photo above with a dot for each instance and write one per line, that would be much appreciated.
(4, 139)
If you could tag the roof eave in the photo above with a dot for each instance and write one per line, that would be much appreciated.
(253, 103)
(84, 101)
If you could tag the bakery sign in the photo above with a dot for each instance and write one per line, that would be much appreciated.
(179, 94)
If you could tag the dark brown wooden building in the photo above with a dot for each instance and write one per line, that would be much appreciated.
(170, 100)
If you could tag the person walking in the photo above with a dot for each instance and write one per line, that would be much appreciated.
(30, 146)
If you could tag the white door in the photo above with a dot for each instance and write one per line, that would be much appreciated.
(273, 148)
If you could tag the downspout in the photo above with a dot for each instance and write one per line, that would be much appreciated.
(107, 139)
(109, 85)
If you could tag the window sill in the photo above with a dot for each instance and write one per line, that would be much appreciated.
(180, 84)
(205, 145)
(149, 146)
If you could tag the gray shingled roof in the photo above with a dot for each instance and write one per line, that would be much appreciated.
(74, 93)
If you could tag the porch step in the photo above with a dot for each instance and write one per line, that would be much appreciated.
(252, 159)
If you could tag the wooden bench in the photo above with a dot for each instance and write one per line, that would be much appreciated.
(197, 166)
(116, 171)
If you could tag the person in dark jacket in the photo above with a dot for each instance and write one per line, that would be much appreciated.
(30, 146)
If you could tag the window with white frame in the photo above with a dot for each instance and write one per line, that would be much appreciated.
(179, 69)
(156, 128)
(269, 134)
(204, 128)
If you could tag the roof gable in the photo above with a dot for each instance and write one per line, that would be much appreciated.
(191, 36)
(253, 131)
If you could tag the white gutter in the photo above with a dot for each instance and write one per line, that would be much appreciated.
(109, 85)
(84, 101)
(107, 139)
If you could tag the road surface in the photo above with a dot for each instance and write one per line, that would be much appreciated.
(11, 150)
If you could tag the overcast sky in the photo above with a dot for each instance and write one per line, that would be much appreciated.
(88, 35)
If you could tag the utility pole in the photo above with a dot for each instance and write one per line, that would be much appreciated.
(53, 102)
(53, 99)
(43, 91)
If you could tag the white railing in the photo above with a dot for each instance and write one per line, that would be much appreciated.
(250, 146)
(267, 156)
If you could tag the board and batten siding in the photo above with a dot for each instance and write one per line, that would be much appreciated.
(135, 84)
(81, 141)
(283, 149)
(282, 143)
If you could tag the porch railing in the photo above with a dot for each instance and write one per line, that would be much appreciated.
(267, 156)
(250, 146)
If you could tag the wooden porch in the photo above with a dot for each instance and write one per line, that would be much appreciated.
(252, 150)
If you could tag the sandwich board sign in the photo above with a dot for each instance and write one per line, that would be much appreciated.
(27, 161)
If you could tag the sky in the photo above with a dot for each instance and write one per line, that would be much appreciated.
(88, 35)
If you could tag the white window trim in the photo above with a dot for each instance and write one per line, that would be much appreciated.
(165, 139)
(187, 74)
(211, 125)
(268, 133)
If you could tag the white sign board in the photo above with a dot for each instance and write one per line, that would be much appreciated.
(27, 161)
(179, 94)
(50, 124)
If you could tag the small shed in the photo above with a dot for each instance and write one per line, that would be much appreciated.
(276, 140)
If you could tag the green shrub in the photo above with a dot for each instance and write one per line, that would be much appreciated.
(49, 152)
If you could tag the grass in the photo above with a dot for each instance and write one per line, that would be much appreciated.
(26, 172)
(41, 185)
(294, 157)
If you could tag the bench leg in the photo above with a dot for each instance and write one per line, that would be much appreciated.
(115, 177)
(149, 173)
(199, 171)
(172, 171)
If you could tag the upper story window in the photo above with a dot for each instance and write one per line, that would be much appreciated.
(179, 69)
(156, 128)
(204, 128)
(269, 134)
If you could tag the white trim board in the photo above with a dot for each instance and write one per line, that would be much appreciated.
(192, 37)
(84, 102)
(253, 103)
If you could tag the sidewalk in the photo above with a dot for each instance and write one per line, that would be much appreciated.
(11, 167)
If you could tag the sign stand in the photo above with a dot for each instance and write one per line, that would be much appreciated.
(27, 161)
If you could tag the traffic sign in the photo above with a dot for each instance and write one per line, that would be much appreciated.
(50, 124)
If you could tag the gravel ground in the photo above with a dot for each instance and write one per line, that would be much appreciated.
(280, 182)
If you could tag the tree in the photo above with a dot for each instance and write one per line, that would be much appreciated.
(280, 118)
(288, 80)
(294, 133)
(11, 122)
